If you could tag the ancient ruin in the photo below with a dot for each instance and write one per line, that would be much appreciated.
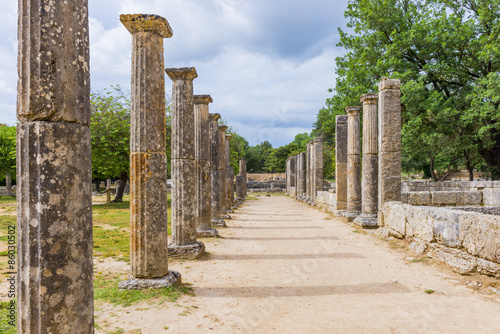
(215, 171)
(55, 279)
(224, 202)
(353, 163)
(241, 181)
(184, 199)
(203, 174)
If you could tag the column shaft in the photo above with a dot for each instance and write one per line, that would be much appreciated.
(341, 162)
(302, 175)
(54, 224)
(318, 165)
(389, 141)
(370, 157)
(353, 161)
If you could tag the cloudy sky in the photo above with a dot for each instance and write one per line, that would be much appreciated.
(267, 64)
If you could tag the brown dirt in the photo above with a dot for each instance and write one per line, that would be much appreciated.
(284, 267)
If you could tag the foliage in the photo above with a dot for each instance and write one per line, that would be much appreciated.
(238, 144)
(447, 55)
(7, 150)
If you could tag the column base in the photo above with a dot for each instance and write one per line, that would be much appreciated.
(219, 222)
(189, 252)
(226, 216)
(172, 278)
(366, 221)
(211, 233)
(350, 215)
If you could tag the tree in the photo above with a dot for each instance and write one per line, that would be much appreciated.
(110, 137)
(8, 154)
(446, 53)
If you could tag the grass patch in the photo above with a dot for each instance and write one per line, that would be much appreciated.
(107, 290)
(5, 327)
(429, 291)
(7, 199)
(423, 259)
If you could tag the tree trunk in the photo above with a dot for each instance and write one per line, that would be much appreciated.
(121, 187)
(8, 183)
(98, 185)
(492, 157)
(470, 168)
(431, 167)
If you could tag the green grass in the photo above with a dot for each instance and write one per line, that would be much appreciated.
(429, 291)
(423, 259)
(5, 327)
(7, 199)
(107, 290)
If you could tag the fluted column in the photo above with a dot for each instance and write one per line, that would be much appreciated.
(148, 163)
(389, 141)
(318, 165)
(229, 175)
(215, 171)
(203, 174)
(302, 176)
(297, 171)
(353, 163)
(308, 172)
(223, 173)
(54, 204)
(341, 163)
(184, 204)
(369, 182)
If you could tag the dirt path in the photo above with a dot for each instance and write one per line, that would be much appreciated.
(284, 267)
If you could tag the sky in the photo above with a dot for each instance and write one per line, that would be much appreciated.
(268, 64)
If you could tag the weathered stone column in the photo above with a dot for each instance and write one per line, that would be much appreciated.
(229, 175)
(297, 171)
(54, 204)
(318, 165)
(341, 163)
(215, 171)
(292, 174)
(202, 156)
(223, 173)
(353, 163)
(287, 175)
(184, 204)
(241, 180)
(308, 172)
(8, 183)
(389, 143)
(148, 162)
(302, 176)
(369, 183)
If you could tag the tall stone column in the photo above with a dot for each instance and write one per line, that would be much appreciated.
(54, 204)
(341, 163)
(203, 175)
(353, 163)
(297, 171)
(287, 175)
(215, 171)
(8, 184)
(292, 174)
(229, 175)
(148, 162)
(389, 143)
(184, 204)
(318, 165)
(223, 174)
(308, 172)
(369, 182)
(241, 180)
(302, 176)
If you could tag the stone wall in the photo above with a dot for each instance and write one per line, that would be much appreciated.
(467, 241)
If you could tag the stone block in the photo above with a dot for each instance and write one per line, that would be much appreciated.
(491, 196)
(419, 198)
(446, 227)
(444, 198)
(394, 216)
(470, 197)
(419, 223)
(480, 235)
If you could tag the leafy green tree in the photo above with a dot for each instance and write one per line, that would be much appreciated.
(447, 55)
(7, 153)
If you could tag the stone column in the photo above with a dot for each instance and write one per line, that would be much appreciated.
(184, 204)
(389, 143)
(297, 171)
(318, 165)
(241, 180)
(54, 204)
(8, 184)
(287, 176)
(292, 174)
(302, 176)
(223, 173)
(341, 163)
(353, 163)
(229, 175)
(215, 171)
(308, 172)
(148, 162)
(202, 156)
(369, 182)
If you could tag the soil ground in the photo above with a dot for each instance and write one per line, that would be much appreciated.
(284, 267)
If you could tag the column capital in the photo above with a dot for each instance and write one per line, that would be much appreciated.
(148, 23)
(387, 83)
(182, 73)
(368, 98)
(353, 111)
(242, 159)
(202, 99)
(228, 136)
(214, 116)
(222, 128)
(318, 139)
